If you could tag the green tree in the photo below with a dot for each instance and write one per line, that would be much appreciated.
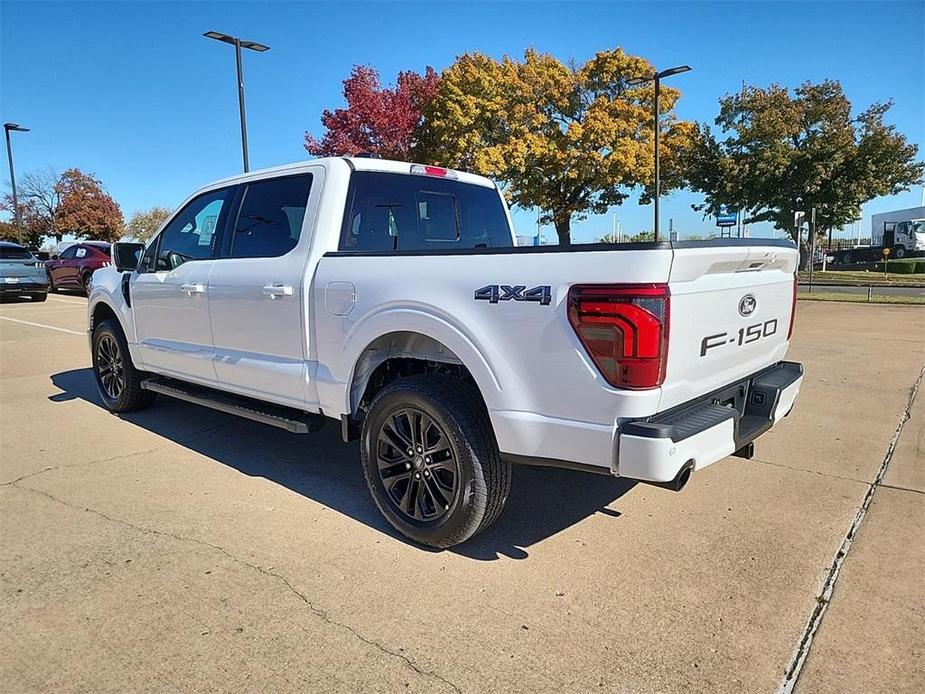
(778, 153)
(145, 223)
(570, 140)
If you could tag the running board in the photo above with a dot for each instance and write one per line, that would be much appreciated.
(287, 418)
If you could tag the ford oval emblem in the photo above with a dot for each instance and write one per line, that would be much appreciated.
(747, 305)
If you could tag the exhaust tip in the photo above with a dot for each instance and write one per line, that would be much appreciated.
(683, 477)
(680, 481)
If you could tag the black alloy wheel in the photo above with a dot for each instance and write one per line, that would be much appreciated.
(110, 367)
(416, 465)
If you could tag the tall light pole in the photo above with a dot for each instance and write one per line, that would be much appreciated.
(238, 45)
(7, 127)
(657, 78)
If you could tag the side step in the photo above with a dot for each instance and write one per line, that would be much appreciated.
(287, 418)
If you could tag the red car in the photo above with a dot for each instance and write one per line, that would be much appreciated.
(74, 267)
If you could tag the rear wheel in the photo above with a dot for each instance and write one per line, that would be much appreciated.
(117, 380)
(431, 461)
(85, 282)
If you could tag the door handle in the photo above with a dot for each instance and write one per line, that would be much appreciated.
(190, 289)
(275, 290)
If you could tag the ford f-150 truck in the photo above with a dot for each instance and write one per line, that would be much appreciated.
(392, 297)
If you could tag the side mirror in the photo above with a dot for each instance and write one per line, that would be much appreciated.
(54, 257)
(125, 256)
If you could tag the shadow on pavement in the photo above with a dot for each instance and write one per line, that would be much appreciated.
(320, 466)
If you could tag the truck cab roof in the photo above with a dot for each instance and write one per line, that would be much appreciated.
(354, 164)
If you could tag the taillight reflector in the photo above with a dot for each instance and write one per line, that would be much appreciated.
(424, 170)
(793, 307)
(624, 329)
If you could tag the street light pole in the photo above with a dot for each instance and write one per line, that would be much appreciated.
(657, 78)
(238, 45)
(237, 58)
(7, 127)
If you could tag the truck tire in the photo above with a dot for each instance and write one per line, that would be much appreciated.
(431, 460)
(899, 252)
(117, 379)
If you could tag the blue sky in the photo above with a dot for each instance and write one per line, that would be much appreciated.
(132, 92)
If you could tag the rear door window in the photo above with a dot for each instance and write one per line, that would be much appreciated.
(400, 212)
(270, 218)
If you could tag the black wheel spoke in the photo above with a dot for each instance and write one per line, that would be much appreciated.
(394, 437)
(436, 495)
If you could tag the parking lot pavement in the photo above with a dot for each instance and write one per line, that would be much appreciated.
(182, 549)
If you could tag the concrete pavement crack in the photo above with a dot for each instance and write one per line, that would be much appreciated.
(812, 472)
(824, 596)
(317, 611)
(96, 461)
(902, 489)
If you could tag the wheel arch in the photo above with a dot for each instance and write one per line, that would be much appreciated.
(101, 308)
(399, 346)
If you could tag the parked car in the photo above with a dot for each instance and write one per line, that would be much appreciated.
(21, 273)
(393, 297)
(74, 268)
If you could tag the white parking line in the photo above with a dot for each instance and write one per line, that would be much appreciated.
(65, 301)
(42, 325)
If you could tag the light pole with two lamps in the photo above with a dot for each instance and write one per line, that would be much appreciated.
(657, 78)
(238, 45)
(7, 128)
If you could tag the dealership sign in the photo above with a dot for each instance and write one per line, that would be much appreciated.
(726, 217)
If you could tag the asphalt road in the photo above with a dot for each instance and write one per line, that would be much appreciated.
(180, 549)
(897, 290)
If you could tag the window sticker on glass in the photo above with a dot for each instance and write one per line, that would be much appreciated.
(81, 252)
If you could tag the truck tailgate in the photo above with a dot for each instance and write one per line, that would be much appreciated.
(731, 307)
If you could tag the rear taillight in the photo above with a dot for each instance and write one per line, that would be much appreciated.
(624, 329)
(793, 307)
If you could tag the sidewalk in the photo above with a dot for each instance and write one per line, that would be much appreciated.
(872, 638)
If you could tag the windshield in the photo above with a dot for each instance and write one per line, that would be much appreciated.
(14, 253)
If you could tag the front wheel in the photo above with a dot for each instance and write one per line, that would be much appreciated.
(117, 379)
(899, 252)
(431, 461)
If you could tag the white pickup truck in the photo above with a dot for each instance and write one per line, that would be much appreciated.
(392, 297)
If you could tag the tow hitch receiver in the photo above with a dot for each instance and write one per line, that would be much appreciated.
(747, 451)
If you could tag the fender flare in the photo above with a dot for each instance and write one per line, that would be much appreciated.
(438, 328)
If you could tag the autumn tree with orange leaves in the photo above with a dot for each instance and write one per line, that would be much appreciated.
(72, 203)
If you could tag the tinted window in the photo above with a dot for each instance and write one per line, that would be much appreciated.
(68, 253)
(270, 219)
(407, 212)
(191, 234)
(14, 253)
